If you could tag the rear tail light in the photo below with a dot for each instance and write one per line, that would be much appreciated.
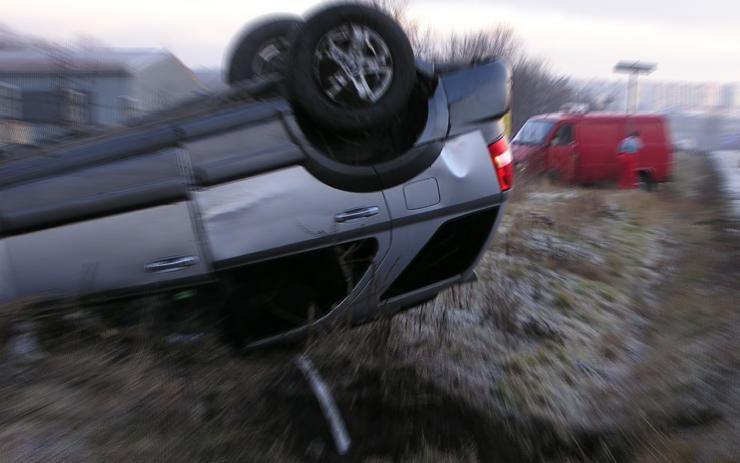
(502, 162)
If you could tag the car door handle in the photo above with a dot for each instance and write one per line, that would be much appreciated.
(354, 214)
(172, 264)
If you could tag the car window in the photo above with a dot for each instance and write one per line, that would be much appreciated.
(564, 136)
(533, 133)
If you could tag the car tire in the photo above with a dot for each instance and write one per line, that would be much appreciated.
(262, 49)
(325, 83)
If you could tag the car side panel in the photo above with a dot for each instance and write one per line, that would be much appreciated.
(7, 281)
(463, 173)
(466, 182)
(284, 211)
(106, 254)
(76, 195)
(460, 181)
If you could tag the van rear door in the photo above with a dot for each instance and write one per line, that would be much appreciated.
(654, 158)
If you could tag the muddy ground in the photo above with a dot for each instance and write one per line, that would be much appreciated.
(604, 327)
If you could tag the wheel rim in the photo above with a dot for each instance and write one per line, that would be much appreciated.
(270, 56)
(353, 66)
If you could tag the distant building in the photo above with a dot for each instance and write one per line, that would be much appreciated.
(212, 79)
(668, 95)
(731, 96)
(662, 96)
(45, 93)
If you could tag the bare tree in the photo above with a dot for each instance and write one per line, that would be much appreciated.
(395, 8)
(421, 38)
(536, 89)
(497, 42)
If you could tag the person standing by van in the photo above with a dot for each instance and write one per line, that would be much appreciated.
(627, 152)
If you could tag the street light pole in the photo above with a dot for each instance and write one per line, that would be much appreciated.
(634, 69)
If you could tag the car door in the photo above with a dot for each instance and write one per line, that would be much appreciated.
(563, 154)
(118, 226)
(257, 201)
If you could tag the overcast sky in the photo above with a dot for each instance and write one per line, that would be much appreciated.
(690, 40)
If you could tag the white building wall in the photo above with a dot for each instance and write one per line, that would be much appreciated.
(164, 83)
(731, 96)
(105, 101)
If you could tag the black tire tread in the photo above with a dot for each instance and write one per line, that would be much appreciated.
(251, 39)
(308, 98)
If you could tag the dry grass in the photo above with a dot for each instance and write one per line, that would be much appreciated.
(604, 327)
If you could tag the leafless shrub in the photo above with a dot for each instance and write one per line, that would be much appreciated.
(496, 42)
(536, 89)
(395, 8)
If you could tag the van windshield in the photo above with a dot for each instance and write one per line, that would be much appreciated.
(533, 133)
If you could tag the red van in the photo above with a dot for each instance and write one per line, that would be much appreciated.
(582, 148)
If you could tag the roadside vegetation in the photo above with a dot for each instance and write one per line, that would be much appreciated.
(604, 327)
(536, 88)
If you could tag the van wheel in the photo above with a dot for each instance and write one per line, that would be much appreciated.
(645, 182)
(352, 68)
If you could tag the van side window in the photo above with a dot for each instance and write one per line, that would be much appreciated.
(564, 135)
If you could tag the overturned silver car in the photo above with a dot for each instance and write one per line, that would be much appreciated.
(338, 178)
